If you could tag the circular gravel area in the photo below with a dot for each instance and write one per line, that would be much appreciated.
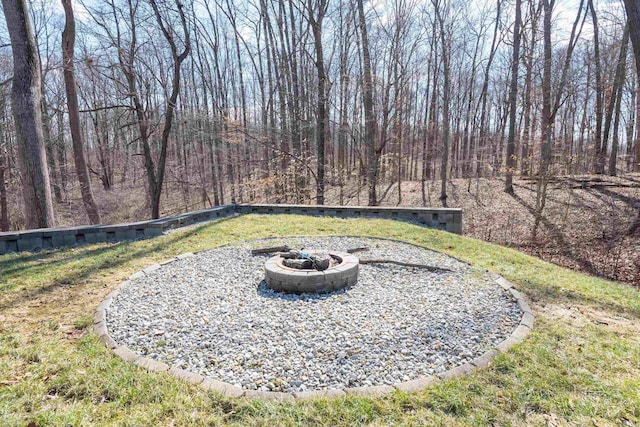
(212, 314)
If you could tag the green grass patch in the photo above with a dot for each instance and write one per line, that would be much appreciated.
(580, 365)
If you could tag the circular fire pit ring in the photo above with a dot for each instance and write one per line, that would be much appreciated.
(281, 278)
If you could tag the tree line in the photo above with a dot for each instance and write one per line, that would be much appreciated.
(230, 101)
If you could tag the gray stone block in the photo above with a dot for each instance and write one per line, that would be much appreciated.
(69, 239)
(36, 243)
(319, 394)
(100, 328)
(517, 295)
(520, 332)
(151, 268)
(458, 371)
(101, 236)
(417, 384)
(108, 341)
(484, 361)
(269, 395)
(122, 235)
(152, 365)
(104, 305)
(522, 303)
(3, 247)
(125, 354)
(372, 391)
(225, 389)
(114, 293)
(12, 245)
(24, 244)
(504, 284)
(505, 345)
(185, 255)
(90, 238)
(152, 232)
(99, 316)
(186, 375)
(527, 319)
(137, 275)
(57, 240)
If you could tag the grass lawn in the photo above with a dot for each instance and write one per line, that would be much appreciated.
(579, 366)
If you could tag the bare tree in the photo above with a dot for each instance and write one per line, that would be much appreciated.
(26, 98)
(633, 18)
(156, 176)
(513, 95)
(68, 44)
(370, 122)
(315, 20)
(600, 151)
(445, 44)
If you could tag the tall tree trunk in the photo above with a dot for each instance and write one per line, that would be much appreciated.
(25, 95)
(4, 208)
(525, 161)
(484, 114)
(616, 99)
(49, 144)
(370, 122)
(321, 118)
(546, 121)
(68, 44)
(178, 59)
(445, 104)
(600, 151)
(61, 154)
(513, 95)
(633, 20)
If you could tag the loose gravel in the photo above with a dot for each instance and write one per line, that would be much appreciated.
(212, 314)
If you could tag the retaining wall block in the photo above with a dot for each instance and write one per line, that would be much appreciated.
(122, 235)
(24, 244)
(152, 232)
(12, 245)
(36, 243)
(69, 239)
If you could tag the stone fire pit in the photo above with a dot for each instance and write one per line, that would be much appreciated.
(311, 271)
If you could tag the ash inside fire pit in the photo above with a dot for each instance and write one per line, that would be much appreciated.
(311, 271)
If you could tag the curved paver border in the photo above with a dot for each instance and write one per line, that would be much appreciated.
(229, 390)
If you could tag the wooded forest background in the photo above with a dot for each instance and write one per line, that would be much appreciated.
(181, 105)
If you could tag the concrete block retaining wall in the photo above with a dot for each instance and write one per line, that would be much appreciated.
(46, 238)
(439, 218)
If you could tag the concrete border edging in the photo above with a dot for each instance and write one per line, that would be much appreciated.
(228, 390)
